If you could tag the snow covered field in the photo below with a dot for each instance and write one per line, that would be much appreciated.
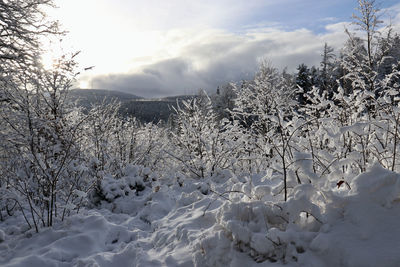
(224, 221)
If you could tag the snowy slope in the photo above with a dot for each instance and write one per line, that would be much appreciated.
(192, 225)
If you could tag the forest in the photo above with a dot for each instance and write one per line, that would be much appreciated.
(294, 169)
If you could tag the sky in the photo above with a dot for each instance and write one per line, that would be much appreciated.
(157, 48)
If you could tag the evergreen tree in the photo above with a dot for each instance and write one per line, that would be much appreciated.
(327, 69)
(303, 81)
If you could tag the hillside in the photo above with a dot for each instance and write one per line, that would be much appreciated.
(145, 110)
(89, 97)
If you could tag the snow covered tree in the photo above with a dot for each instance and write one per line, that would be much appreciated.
(266, 106)
(359, 57)
(368, 21)
(113, 142)
(223, 100)
(303, 80)
(354, 65)
(388, 54)
(41, 171)
(23, 24)
(202, 144)
(42, 144)
(327, 69)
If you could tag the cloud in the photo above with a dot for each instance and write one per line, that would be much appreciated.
(168, 77)
(328, 19)
(392, 16)
(213, 57)
(182, 60)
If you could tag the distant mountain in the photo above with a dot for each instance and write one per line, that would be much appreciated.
(145, 110)
(178, 97)
(89, 97)
(152, 110)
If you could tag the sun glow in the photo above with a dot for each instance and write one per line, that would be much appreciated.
(84, 84)
(48, 61)
(53, 49)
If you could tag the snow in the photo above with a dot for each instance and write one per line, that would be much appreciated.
(186, 224)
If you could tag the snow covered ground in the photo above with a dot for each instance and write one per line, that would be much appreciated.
(223, 221)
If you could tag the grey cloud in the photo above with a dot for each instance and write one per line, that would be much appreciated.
(169, 77)
(139, 84)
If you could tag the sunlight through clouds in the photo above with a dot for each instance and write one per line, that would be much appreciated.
(132, 43)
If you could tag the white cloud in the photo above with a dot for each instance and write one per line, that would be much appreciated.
(393, 16)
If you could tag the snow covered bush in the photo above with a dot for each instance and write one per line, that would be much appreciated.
(43, 167)
(308, 229)
(112, 145)
(351, 131)
(265, 230)
(201, 144)
(116, 191)
(266, 106)
(134, 180)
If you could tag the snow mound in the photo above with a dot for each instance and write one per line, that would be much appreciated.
(378, 185)
(363, 227)
(88, 238)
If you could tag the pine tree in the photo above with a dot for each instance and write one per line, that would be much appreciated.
(303, 81)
